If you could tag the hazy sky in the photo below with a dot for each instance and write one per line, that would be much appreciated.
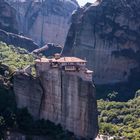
(82, 2)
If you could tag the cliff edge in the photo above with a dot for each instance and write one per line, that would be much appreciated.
(45, 21)
(61, 94)
(107, 35)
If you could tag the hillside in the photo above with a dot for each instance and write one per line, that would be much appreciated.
(120, 118)
(15, 57)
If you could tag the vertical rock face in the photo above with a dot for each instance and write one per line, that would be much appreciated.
(8, 20)
(9, 28)
(28, 93)
(107, 35)
(71, 102)
(64, 99)
(45, 21)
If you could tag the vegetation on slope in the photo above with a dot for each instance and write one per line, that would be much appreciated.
(15, 57)
(120, 118)
(11, 58)
(7, 110)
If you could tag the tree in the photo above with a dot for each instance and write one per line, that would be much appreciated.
(137, 94)
(111, 96)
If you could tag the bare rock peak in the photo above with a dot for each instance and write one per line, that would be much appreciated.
(108, 36)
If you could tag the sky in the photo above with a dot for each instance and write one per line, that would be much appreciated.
(82, 2)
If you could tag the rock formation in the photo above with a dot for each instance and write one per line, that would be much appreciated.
(107, 35)
(49, 49)
(18, 40)
(9, 28)
(8, 20)
(45, 21)
(60, 96)
(28, 92)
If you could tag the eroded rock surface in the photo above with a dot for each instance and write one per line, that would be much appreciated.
(62, 98)
(9, 28)
(18, 40)
(107, 35)
(28, 93)
(49, 49)
(45, 21)
(8, 21)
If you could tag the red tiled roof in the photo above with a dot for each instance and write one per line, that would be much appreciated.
(62, 60)
(68, 59)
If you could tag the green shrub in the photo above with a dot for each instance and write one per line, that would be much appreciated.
(137, 94)
(120, 118)
(15, 57)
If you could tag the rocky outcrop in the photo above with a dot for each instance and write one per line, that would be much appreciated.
(17, 40)
(107, 35)
(49, 49)
(70, 102)
(9, 28)
(28, 92)
(60, 97)
(45, 21)
(8, 21)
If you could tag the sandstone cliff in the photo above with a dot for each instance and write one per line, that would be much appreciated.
(18, 40)
(45, 21)
(28, 93)
(107, 35)
(8, 20)
(9, 28)
(61, 97)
